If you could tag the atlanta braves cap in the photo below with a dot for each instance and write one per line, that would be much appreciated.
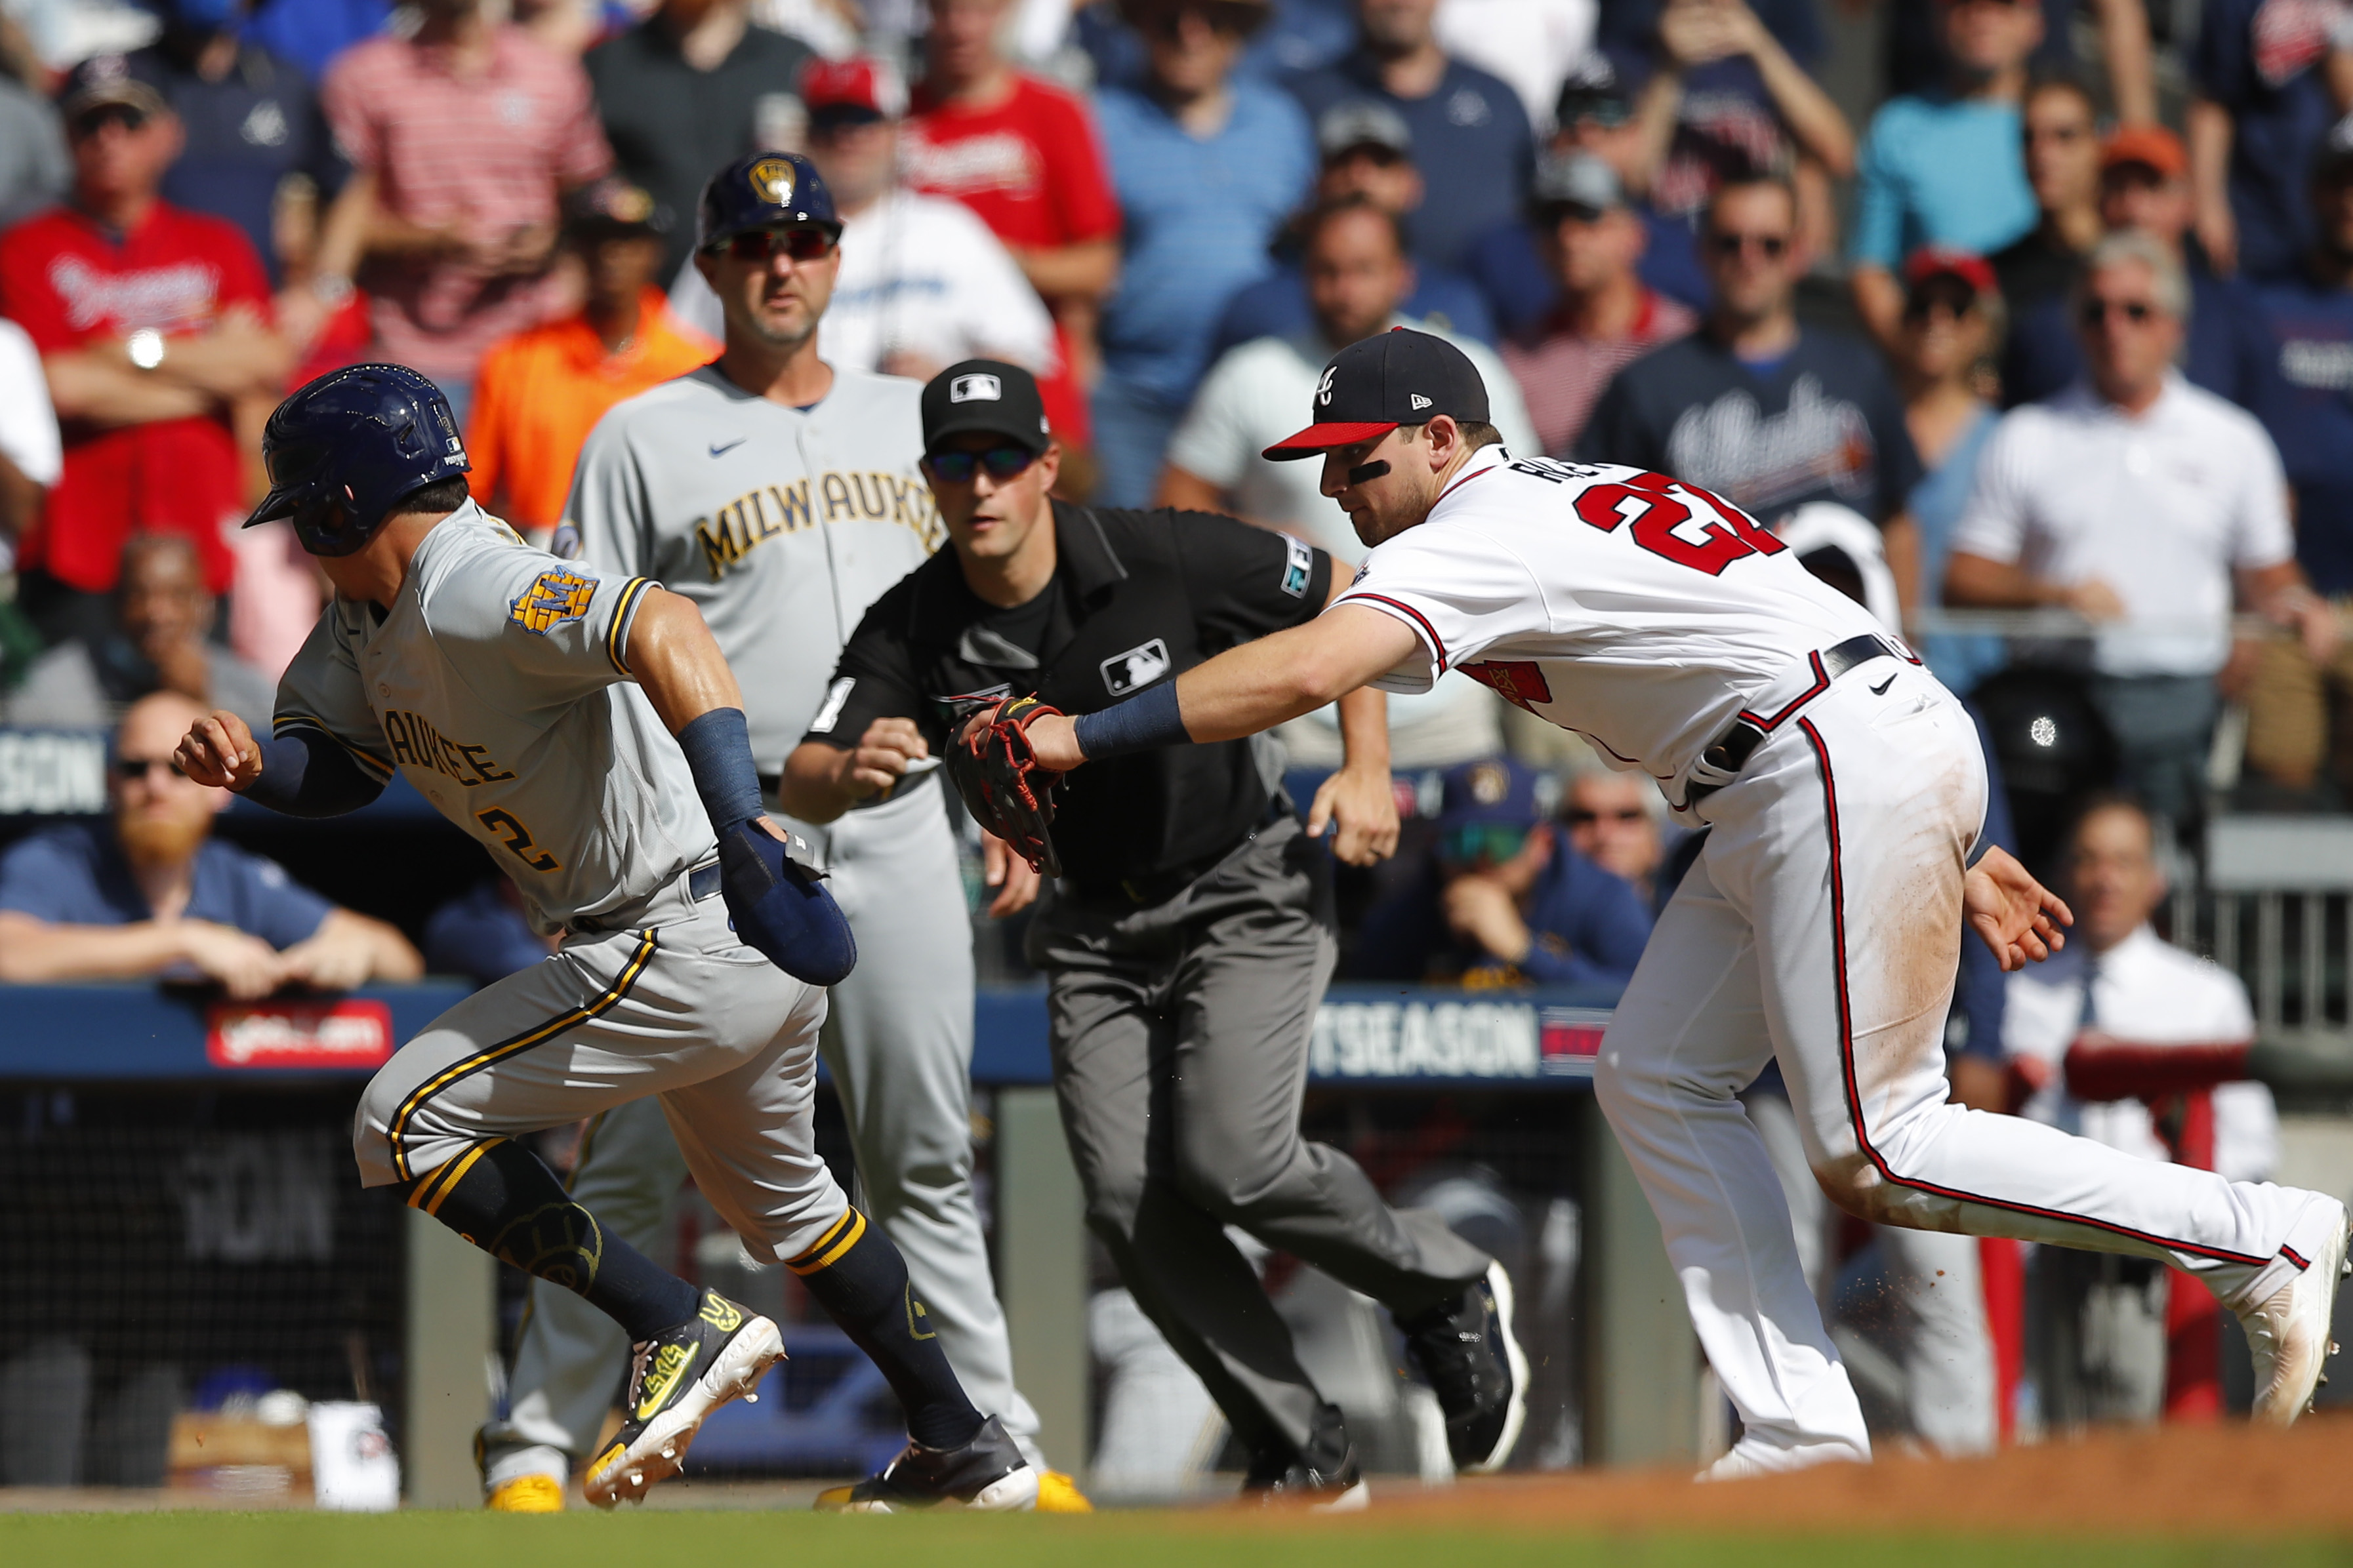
(1374, 385)
(985, 395)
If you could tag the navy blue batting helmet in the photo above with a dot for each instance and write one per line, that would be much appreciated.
(763, 190)
(346, 449)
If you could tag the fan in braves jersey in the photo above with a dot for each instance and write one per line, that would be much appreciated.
(1844, 788)
(781, 495)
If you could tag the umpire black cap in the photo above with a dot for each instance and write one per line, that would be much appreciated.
(763, 190)
(1374, 385)
(985, 395)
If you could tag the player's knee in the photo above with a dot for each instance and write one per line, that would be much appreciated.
(1855, 1184)
(1112, 1199)
(1226, 1177)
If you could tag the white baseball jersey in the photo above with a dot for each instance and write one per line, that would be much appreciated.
(1641, 611)
(499, 686)
(782, 524)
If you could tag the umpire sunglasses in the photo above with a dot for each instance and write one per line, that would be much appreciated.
(957, 467)
(801, 241)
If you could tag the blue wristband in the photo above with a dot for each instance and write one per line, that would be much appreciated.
(1145, 722)
(718, 748)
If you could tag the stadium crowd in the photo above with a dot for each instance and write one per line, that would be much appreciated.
(2063, 322)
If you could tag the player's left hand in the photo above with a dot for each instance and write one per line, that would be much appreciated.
(2011, 912)
(1360, 804)
(219, 752)
(1016, 883)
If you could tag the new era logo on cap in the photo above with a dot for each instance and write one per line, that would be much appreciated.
(974, 388)
(1419, 402)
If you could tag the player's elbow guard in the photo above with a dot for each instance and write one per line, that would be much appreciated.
(782, 910)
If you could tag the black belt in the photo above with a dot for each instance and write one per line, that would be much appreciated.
(703, 881)
(1732, 749)
(1150, 888)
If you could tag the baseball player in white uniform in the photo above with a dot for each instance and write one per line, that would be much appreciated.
(1844, 788)
(534, 702)
(781, 495)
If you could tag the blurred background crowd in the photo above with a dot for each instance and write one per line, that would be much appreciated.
(2027, 322)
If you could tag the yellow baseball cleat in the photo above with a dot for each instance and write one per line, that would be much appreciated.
(527, 1494)
(1058, 1493)
(677, 1378)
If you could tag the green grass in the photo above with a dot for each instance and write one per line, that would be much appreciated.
(1113, 1541)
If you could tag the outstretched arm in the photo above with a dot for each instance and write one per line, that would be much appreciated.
(1242, 691)
(302, 773)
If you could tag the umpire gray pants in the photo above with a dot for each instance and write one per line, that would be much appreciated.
(1180, 1035)
(898, 1044)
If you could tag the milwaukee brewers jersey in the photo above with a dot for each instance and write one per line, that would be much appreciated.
(1641, 611)
(498, 685)
(782, 524)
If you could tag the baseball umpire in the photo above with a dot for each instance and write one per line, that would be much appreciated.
(1845, 791)
(1188, 937)
(781, 495)
(533, 701)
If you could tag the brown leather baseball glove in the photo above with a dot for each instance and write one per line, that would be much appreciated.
(1003, 788)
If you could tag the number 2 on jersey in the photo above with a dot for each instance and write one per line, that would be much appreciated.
(1708, 541)
(517, 837)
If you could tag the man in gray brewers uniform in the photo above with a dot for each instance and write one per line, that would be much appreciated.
(567, 719)
(783, 495)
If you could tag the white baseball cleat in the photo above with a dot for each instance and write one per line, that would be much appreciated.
(2288, 1332)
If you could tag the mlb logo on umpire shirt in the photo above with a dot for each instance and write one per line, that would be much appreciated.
(1136, 669)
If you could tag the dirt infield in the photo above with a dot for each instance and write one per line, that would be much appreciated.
(2216, 1481)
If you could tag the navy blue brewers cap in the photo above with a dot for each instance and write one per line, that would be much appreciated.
(345, 450)
(1374, 385)
(987, 397)
(763, 190)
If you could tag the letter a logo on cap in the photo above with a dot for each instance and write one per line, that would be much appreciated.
(975, 388)
(1323, 387)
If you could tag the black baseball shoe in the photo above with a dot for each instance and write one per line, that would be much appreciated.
(1322, 1476)
(1477, 1370)
(988, 1474)
(676, 1379)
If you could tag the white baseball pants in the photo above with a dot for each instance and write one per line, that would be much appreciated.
(1820, 927)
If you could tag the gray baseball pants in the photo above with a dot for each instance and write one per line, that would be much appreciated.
(898, 1044)
(1180, 1034)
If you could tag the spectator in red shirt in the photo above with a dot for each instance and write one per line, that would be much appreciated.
(463, 140)
(1023, 153)
(153, 329)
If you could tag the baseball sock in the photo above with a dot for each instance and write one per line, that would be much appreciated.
(860, 1279)
(502, 1197)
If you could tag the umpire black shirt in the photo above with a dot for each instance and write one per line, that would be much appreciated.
(1137, 597)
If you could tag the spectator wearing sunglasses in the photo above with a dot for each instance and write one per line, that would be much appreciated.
(1504, 898)
(1946, 170)
(1765, 413)
(1614, 820)
(2145, 187)
(150, 893)
(154, 328)
(2145, 504)
(159, 641)
(1206, 167)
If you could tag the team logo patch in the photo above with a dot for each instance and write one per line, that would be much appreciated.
(1136, 669)
(1518, 681)
(771, 180)
(1323, 387)
(977, 387)
(552, 598)
(1298, 566)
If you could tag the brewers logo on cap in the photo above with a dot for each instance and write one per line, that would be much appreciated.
(772, 180)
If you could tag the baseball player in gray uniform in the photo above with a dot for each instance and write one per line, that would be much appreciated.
(782, 496)
(568, 718)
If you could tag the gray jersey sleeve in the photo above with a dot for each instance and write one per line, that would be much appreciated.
(322, 691)
(536, 633)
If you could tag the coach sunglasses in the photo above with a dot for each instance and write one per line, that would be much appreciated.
(802, 242)
(957, 467)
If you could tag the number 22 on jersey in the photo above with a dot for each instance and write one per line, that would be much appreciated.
(1678, 522)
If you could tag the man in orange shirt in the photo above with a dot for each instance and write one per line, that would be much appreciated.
(540, 392)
